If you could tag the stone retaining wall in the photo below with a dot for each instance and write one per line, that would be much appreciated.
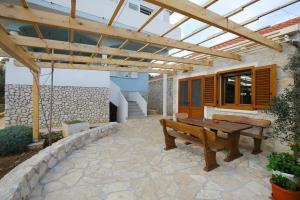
(19, 183)
(69, 103)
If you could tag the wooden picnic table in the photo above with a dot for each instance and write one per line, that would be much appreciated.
(232, 129)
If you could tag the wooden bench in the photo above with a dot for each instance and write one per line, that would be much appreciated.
(256, 132)
(197, 135)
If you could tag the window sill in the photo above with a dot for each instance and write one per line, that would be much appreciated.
(235, 110)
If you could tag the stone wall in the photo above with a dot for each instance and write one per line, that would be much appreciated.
(21, 181)
(155, 97)
(83, 103)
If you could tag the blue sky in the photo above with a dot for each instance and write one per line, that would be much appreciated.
(224, 6)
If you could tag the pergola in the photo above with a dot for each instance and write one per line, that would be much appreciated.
(17, 45)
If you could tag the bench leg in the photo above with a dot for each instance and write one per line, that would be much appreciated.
(210, 160)
(170, 142)
(257, 146)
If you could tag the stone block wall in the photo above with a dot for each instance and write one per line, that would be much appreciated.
(69, 102)
(155, 97)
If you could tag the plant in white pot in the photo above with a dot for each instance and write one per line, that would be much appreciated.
(74, 126)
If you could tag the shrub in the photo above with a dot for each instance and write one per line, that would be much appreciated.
(14, 139)
(284, 182)
(283, 162)
(75, 121)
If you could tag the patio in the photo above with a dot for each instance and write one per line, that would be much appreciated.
(131, 164)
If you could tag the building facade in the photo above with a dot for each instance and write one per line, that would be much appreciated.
(83, 94)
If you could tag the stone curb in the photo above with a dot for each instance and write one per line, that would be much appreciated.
(19, 183)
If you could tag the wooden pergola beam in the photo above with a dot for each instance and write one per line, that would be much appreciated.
(8, 45)
(115, 13)
(85, 59)
(73, 8)
(55, 44)
(101, 68)
(59, 20)
(197, 12)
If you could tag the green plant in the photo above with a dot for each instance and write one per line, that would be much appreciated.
(283, 162)
(286, 106)
(75, 121)
(55, 136)
(15, 139)
(284, 182)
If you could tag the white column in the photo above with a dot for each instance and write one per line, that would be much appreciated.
(165, 92)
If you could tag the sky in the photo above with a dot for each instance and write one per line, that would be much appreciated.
(222, 7)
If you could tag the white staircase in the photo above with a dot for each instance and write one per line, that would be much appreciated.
(137, 105)
(134, 111)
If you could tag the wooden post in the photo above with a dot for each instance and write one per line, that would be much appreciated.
(35, 106)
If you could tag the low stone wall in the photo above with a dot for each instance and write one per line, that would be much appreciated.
(19, 183)
(89, 104)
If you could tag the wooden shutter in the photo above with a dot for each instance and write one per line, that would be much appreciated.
(210, 90)
(264, 85)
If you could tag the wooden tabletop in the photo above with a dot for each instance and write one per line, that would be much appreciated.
(224, 126)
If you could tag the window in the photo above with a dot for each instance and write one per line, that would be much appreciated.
(237, 88)
(145, 10)
(133, 5)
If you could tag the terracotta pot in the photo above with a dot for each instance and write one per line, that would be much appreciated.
(282, 194)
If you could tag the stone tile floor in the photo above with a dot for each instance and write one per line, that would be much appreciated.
(131, 164)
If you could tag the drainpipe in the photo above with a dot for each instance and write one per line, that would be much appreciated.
(165, 92)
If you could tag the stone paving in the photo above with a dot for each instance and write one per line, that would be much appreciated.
(131, 164)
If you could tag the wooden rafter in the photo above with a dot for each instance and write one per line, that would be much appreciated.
(85, 59)
(73, 8)
(197, 12)
(55, 44)
(115, 13)
(151, 17)
(111, 21)
(183, 20)
(59, 20)
(100, 68)
(24, 3)
(8, 45)
(249, 21)
(35, 25)
(230, 14)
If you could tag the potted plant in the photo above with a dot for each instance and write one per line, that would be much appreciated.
(74, 126)
(285, 172)
(286, 108)
(284, 164)
(283, 188)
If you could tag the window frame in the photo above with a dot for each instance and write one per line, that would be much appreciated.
(237, 104)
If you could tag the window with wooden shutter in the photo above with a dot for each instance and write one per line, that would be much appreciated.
(264, 84)
(210, 90)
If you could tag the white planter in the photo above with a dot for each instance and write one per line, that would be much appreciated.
(70, 129)
(286, 175)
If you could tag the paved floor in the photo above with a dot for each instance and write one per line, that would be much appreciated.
(131, 164)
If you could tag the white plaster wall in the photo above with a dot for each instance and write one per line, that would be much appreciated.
(105, 8)
(256, 58)
(62, 77)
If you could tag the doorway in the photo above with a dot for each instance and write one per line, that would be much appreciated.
(190, 97)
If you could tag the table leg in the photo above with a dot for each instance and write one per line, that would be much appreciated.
(233, 147)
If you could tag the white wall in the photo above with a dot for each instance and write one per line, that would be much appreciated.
(62, 77)
(105, 8)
